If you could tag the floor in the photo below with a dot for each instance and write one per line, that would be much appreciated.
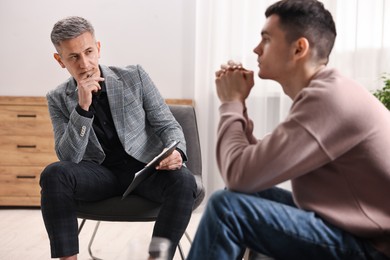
(23, 236)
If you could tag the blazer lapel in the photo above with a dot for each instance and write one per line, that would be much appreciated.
(115, 95)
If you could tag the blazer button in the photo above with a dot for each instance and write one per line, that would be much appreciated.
(83, 129)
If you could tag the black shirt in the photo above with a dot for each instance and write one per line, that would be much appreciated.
(103, 125)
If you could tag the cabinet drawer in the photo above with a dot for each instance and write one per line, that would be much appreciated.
(25, 120)
(27, 150)
(20, 181)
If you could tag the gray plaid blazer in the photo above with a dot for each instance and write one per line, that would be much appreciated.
(143, 121)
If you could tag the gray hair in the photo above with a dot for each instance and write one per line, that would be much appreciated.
(70, 28)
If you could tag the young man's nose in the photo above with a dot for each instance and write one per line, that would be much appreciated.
(257, 49)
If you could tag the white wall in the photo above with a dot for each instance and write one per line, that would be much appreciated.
(159, 35)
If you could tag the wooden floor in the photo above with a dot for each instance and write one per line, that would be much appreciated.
(23, 236)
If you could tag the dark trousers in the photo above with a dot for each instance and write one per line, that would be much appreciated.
(63, 183)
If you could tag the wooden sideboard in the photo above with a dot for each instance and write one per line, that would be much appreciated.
(27, 146)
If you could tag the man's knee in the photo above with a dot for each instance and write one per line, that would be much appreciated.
(55, 174)
(219, 201)
(186, 180)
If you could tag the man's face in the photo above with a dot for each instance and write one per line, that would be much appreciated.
(274, 53)
(80, 56)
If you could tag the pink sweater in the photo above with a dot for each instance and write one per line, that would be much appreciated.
(334, 146)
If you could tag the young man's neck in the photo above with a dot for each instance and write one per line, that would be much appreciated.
(300, 79)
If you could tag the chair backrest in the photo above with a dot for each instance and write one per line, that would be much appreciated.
(186, 117)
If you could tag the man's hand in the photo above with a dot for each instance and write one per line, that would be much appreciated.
(233, 82)
(172, 162)
(86, 86)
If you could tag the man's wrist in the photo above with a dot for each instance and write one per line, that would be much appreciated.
(183, 156)
(83, 112)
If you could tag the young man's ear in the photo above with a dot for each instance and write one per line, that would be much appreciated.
(301, 48)
(58, 59)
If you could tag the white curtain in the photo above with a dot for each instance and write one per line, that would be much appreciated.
(230, 29)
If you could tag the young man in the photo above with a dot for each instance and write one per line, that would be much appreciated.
(333, 146)
(108, 122)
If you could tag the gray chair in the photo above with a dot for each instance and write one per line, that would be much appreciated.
(137, 209)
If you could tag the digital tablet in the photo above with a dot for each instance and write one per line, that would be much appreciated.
(149, 168)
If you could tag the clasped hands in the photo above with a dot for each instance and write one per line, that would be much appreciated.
(233, 82)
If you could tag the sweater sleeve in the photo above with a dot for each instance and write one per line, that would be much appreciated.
(249, 165)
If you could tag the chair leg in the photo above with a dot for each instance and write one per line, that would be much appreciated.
(181, 252)
(181, 249)
(97, 227)
(91, 241)
(81, 225)
(188, 237)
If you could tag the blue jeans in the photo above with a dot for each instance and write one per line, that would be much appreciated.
(269, 222)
